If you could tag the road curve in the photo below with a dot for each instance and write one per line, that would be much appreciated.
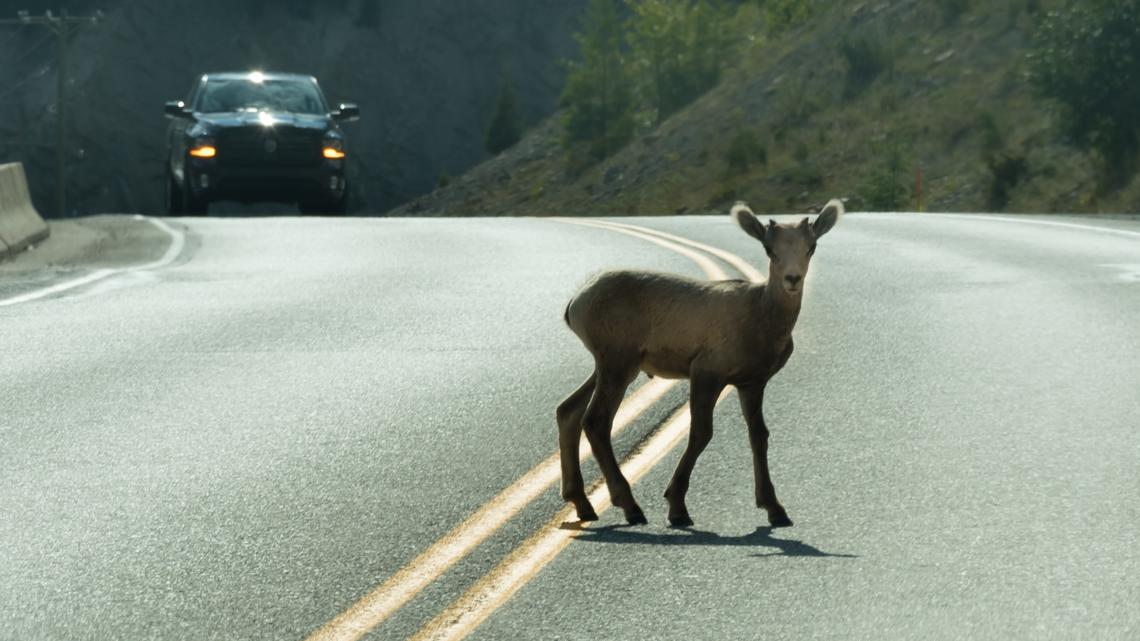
(244, 444)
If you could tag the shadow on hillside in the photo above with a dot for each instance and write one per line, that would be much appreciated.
(760, 538)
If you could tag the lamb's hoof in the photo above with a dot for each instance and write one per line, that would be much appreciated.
(587, 515)
(680, 521)
(779, 519)
(636, 517)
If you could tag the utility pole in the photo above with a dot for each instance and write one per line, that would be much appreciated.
(62, 25)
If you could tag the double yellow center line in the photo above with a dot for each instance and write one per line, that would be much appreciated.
(489, 593)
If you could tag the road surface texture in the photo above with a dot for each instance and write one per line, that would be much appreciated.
(244, 441)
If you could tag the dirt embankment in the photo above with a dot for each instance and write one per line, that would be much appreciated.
(946, 95)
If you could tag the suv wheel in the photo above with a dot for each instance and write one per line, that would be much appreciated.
(324, 207)
(173, 195)
(194, 206)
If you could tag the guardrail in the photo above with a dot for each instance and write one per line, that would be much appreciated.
(20, 224)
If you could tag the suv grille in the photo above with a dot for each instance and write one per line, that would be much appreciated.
(275, 147)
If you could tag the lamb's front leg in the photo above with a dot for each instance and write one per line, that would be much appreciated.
(703, 395)
(751, 403)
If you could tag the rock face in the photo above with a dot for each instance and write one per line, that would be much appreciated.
(425, 73)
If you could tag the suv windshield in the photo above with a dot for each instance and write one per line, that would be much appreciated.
(242, 94)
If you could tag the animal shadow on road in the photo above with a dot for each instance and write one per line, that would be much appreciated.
(761, 537)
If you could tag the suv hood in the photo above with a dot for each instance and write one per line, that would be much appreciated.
(251, 118)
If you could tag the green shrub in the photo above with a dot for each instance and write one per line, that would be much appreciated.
(992, 140)
(1086, 58)
(780, 15)
(885, 189)
(952, 10)
(807, 175)
(801, 153)
(506, 125)
(1006, 170)
(744, 150)
(867, 57)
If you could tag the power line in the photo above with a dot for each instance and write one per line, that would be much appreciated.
(62, 25)
(27, 52)
(11, 89)
(12, 36)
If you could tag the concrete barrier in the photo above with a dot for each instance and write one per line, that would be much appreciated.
(20, 224)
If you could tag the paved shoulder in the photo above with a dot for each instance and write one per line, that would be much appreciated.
(82, 246)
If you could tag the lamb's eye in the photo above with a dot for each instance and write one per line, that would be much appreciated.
(811, 250)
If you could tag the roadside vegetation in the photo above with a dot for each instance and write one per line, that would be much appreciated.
(598, 101)
(953, 105)
(641, 62)
(1087, 59)
(506, 124)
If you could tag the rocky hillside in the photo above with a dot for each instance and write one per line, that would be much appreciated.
(855, 102)
(425, 73)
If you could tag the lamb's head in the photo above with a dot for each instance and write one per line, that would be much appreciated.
(789, 245)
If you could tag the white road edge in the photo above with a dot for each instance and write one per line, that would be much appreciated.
(177, 244)
(1045, 223)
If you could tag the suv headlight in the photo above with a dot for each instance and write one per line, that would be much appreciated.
(333, 149)
(203, 148)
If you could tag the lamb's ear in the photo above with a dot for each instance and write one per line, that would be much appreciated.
(747, 221)
(828, 217)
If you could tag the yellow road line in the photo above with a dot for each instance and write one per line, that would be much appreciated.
(498, 586)
(381, 603)
(707, 265)
(741, 265)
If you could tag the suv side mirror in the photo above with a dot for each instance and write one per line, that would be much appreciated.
(346, 112)
(176, 109)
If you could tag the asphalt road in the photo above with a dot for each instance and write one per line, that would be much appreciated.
(243, 443)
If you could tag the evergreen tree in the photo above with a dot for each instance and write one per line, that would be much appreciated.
(1087, 58)
(598, 99)
(660, 53)
(506, 126)
(678, 50)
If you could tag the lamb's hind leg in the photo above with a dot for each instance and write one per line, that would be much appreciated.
(569, 414)
(608, 393)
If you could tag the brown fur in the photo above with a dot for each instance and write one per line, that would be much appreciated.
(713, 333)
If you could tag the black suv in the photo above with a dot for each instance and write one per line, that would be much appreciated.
(257, 137)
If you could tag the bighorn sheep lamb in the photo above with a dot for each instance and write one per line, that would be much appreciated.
(714, 333)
